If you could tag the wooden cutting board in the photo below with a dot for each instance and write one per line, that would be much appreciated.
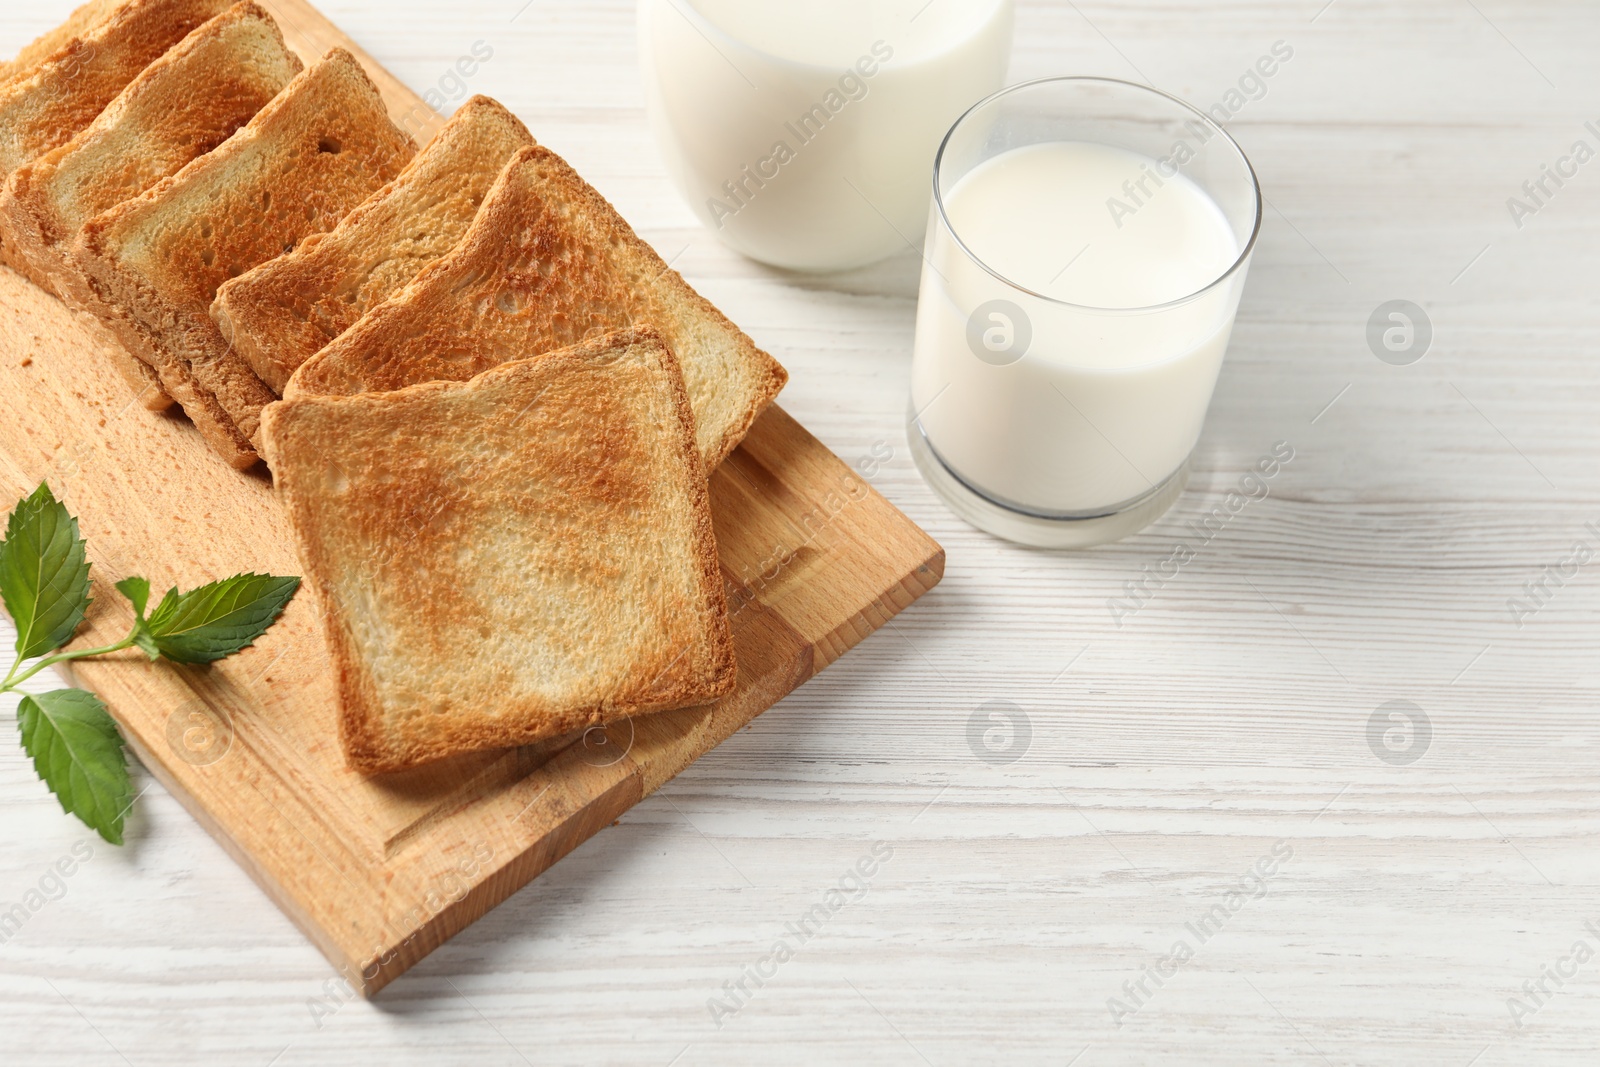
(380, 871)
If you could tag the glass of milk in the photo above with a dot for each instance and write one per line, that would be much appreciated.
(1087, 245)
(804, 133)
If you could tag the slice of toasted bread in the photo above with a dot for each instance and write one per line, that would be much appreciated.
(285, 311)
(80, 22)
(48, 104)
(309, 157)
(181, 107)
(546, 263)
(510, 558)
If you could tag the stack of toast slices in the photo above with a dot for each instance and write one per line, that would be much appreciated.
(179, 108)
(488, 406)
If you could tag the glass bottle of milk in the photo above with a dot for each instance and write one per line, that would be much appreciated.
(804, 133)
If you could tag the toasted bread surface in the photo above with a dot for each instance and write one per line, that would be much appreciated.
(283, 312)
(546, 263)
(182, 106)
(309, 157)
(48, 104)
(48, 44)
(510, 558)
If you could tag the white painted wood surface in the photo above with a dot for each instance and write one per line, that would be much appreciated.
(1167, 755)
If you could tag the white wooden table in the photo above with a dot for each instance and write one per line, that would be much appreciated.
(1231, 716)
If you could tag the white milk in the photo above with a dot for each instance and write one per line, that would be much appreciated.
(805, 133)
(1104, 405)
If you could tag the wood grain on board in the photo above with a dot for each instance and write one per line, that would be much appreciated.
(380, 871)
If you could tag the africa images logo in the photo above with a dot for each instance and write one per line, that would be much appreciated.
(851, 887)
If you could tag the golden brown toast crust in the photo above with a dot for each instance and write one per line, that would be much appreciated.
(285, 311)
(47, 105)
(547, 263)
(511, 558)
(302, 163)
(81, 21)
(60, 82)
(182, 106)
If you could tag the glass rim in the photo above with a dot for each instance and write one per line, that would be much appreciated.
(1249, 168)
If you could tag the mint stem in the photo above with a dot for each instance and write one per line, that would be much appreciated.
(13, 679)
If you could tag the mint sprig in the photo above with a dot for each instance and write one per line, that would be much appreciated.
(44, 584)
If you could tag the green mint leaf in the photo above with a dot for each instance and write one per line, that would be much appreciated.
(78, 752)
(138, 591)
(219, 619)
(44, 575)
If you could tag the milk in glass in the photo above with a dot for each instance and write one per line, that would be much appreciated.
(1065, 365)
